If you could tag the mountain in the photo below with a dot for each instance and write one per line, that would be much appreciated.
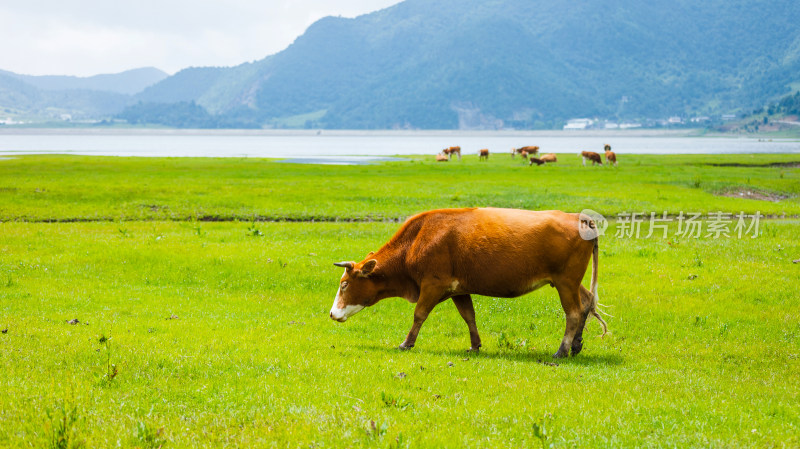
(18, 98)
(510, 63)
(55, 97)
(129, 82)
(183, 86)
(467, 64)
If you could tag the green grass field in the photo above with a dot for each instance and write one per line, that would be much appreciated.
(75, 188)
(196, 333)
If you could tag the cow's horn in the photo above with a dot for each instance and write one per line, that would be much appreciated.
(348, 265)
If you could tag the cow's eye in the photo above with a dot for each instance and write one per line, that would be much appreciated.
(344, 285)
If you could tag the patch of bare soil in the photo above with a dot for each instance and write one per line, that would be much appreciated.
(754, 195)
(793, 164)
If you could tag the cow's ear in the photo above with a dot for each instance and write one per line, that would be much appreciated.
(368, 267)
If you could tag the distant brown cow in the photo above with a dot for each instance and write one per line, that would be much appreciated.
(524, 155)
(611, 157)
(528, 149)
(549, 157)
(441, 158)
(455, 253)
(592, 156)
(449, 152)
(483, 154)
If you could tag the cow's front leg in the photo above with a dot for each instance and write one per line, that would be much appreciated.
(464, 305)
(425, 304)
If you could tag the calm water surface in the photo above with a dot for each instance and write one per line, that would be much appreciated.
(333, 145)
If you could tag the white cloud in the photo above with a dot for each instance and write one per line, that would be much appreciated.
(87, 37)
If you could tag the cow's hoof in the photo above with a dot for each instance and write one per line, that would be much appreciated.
(403, 347)
(576, 347)
(478, 349)
(560, 354)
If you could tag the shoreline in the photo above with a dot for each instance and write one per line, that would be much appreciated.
(290, 144)
(589, 133)
(32, 131)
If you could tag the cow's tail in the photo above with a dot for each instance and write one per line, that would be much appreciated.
(594, 310)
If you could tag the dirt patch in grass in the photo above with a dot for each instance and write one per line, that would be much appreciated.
(752, 194)
(793, 164)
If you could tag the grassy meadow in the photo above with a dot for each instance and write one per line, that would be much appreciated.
(78, 188)
(201, 290)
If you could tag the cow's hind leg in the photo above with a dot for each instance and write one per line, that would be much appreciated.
(464, 305)
(576, 319)
(586, 307)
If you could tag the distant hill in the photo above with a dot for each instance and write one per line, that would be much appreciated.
(782, 117)
(475, 64)
(129, 82)
(18, 98)
(504, 63)
(56, 97)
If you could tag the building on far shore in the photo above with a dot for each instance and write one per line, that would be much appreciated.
(629, 125)
(578, 123)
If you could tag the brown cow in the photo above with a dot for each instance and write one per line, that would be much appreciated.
(611, 157)
(454, 253)
(592, 156)
(483, 154)
(449, 152)
(441, 158)
(528, 149)
(524, 155)
(549, 157)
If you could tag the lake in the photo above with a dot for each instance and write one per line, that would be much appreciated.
(333, 146)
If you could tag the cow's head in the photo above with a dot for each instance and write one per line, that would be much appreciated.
(358, 288)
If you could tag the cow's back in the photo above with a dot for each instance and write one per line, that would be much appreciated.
(496, 252)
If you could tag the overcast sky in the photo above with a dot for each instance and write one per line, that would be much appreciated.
(89, 37)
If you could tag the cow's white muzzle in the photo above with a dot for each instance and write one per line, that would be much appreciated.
(341, 315)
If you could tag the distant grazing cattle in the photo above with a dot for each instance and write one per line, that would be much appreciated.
(449, 152)
(549, 157)
(483, 154)
(592, 156)
(528, 149)
(441, 158)
(455, 253)
(611, 157)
